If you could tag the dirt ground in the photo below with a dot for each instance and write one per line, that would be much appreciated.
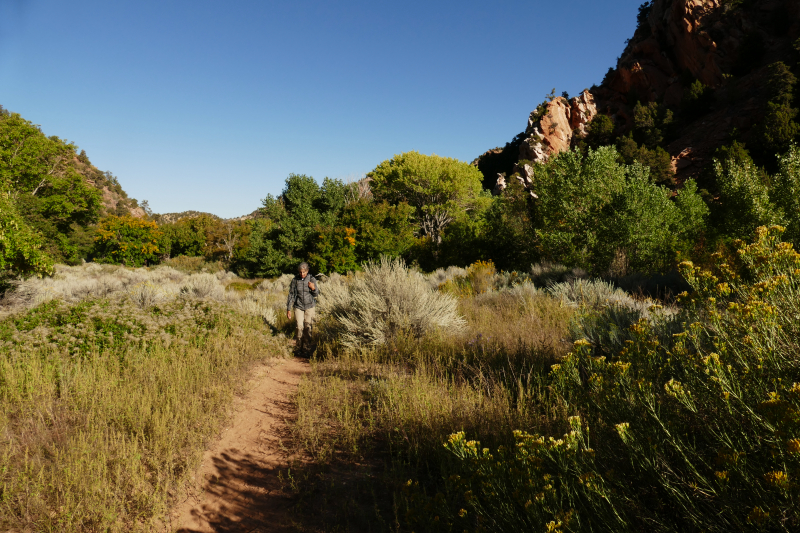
(241, 491)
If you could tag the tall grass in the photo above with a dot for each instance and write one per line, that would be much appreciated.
(106, 403)
(400, 401)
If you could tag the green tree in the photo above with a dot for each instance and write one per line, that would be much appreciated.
(189, 236)
(440, 189)
(290, 226)
(508, 237)
(128, 241)
(778, 129)
(263, 259)
(652, 124)
(600, 132)
(335, 250)
(744, 202)
(50, 193)
(656, 159)
(381, 229)
(20, 246)
(608, 217)
(643, 229)
(786, 193)
(573, 189)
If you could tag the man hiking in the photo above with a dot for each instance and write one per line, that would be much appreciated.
(302, 291)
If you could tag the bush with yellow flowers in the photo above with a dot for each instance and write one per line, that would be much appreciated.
(694, 417)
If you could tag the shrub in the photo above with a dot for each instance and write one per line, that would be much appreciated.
(478, 278)
(191, 265)
(145, 294)
(694, 419)
(253, 304)
(546, 273)
(440, 276)
(481, 276)
(387, 300)
(280, 284)
(697, 100)
(591, 293)
(202, 286)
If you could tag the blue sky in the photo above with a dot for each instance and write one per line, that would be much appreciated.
(211, 105)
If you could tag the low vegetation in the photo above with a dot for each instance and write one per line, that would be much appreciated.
(576, 408)
(112, 382)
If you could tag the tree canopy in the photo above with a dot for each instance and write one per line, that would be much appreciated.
(440, 189)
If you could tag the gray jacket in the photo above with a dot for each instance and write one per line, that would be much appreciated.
(300, 296)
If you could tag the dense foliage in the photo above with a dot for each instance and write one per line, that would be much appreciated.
(128, 241)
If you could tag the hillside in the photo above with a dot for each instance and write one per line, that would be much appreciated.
(701, 72)
(114, 198)
(54, 197)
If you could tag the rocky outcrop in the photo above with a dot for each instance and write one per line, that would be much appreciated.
(707, 40)
(552, 125)
(550, 130)
(674, 40)
(725, 45)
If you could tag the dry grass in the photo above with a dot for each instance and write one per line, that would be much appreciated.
(146, 287)
(112, 382)
(391, 407)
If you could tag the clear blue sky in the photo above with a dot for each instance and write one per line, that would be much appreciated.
(211, 105)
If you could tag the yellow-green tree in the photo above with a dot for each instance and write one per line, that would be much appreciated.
(441, 190)
(128, 241)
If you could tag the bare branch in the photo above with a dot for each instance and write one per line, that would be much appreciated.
(38, 187)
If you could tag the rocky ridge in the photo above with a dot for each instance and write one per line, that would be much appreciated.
(723, 44)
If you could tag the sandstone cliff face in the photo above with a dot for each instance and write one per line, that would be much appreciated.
(551, 132)
(714, 42)
(675, 40)
(723, 44)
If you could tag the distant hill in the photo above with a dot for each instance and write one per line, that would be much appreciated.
(115, 200)
(168, 218)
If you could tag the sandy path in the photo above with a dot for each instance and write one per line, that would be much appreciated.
(241, 490)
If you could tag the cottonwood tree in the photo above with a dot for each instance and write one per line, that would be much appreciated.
(441, 190)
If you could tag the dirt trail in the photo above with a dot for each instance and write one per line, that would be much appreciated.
(241, 490)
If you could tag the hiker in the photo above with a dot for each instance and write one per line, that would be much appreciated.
(302, 291)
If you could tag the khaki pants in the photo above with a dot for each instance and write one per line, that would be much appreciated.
(304, 319)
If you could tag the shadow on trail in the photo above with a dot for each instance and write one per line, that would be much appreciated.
(246, 494)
